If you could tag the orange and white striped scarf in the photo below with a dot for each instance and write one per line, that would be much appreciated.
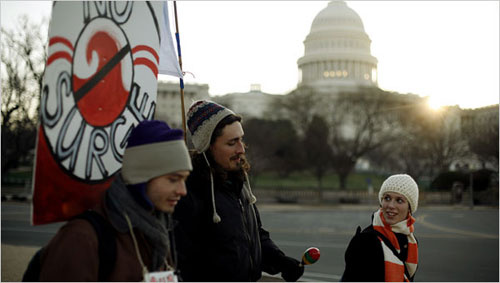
(394, 268)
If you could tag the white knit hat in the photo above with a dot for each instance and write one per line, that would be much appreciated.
(402, 184)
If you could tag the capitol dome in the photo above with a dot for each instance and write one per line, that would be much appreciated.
(337, 50)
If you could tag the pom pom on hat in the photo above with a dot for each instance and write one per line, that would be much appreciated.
(402, 184)
(203, 117)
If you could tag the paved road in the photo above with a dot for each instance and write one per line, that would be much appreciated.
(456, 244)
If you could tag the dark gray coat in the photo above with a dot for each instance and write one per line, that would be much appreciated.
(236, 249)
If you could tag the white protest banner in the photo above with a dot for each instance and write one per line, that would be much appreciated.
(100, 81)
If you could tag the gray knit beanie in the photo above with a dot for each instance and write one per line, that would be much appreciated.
(154, 149)
(402, 184)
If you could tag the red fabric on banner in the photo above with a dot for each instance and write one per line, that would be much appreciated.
(58, 196)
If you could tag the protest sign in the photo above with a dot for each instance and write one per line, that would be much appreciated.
(100, 81)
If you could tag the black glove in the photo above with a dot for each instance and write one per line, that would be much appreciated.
(291, 270)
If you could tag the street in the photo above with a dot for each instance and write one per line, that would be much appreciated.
(455, 243)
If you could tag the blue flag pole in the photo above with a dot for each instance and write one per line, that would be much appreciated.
(177, 38)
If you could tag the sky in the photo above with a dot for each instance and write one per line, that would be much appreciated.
(447, 50)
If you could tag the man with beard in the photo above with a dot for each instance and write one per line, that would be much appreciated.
(219, 234)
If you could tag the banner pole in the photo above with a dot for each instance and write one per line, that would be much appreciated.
(177, 38)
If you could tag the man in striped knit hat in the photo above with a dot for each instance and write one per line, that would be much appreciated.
(220, 235)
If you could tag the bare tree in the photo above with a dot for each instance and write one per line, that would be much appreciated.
(428, 141)
(481, 134)
(318, 155)
(257, 151)
(356, 121)
(23, 55)
(485, 146)
(272, 145)
(299, 107)
(444, 139)
(358, 125)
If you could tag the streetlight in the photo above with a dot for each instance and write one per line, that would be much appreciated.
(471, 183)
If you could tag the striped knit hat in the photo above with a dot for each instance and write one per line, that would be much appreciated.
(203, 117)
(402, 184)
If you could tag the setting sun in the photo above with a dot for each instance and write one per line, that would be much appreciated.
(434, 103)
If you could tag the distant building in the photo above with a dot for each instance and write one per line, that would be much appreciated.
(337, 52)
(337, 60)
(481, 120)
(168, 107)
(249, 104)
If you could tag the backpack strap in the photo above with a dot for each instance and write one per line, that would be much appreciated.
(32, 273)
(106, 239)
(106, 248)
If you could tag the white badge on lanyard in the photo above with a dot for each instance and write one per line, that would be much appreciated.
(161, 276)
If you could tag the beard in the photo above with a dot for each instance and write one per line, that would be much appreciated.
(219, 172)
(238, 161)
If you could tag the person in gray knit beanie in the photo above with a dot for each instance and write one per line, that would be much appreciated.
(219, 232)
(135, 210)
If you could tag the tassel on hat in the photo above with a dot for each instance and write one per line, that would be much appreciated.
(251, 197)
(215, 216)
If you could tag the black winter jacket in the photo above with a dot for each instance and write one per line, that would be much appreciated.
(235, 249)
(364, 257)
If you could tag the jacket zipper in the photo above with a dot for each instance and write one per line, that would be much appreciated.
(247, 234)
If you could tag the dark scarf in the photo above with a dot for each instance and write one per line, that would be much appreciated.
(152, 224)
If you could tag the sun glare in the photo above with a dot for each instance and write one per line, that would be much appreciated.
(434, 103)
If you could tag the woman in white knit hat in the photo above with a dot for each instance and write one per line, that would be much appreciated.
(387, 250)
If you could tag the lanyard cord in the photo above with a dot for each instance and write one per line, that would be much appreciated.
(172, 256)
(144, 269)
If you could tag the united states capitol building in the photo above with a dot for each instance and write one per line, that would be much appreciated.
(337, 51)
(337, 59)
